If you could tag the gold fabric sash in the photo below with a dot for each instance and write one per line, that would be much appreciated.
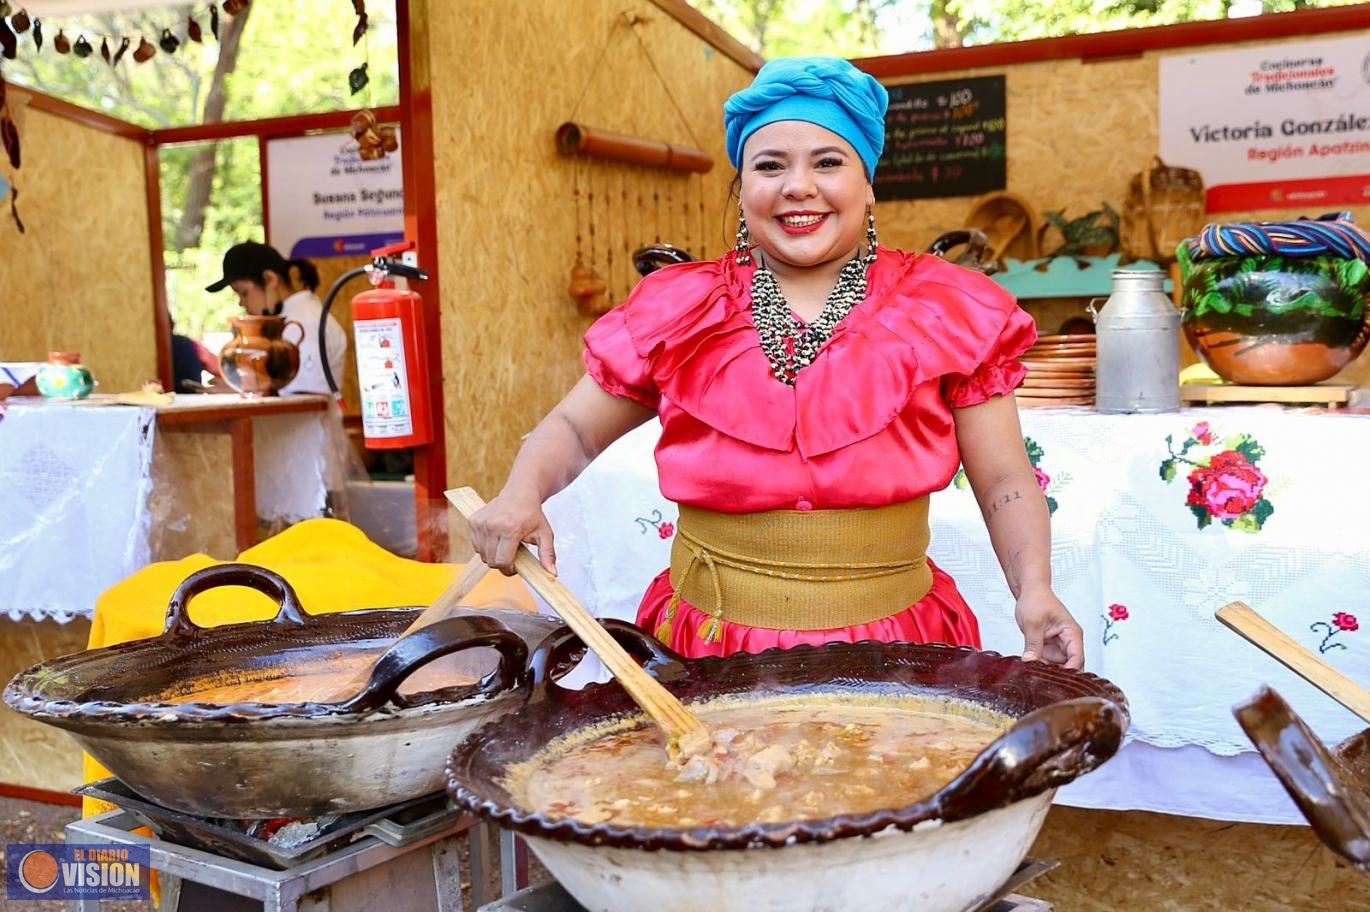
(793, 570)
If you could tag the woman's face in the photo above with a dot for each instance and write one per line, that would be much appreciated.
(804, 193)
(258, 300)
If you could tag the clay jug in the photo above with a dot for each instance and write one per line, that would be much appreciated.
(259, 360)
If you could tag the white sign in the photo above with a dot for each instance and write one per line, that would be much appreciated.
(382, 378)
(1278, 126)
(324, 201)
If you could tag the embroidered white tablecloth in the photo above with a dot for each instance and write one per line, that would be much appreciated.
(74, 487)
(1157, 520)
(83, 503)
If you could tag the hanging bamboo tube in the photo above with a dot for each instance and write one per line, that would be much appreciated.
(578, 139)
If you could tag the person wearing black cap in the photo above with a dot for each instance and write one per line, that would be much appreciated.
(260, 276)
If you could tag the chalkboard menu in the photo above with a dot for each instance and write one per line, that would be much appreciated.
(945, 138)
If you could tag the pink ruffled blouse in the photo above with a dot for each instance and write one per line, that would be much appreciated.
(867, 424)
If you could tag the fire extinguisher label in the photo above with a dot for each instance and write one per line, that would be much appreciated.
(382, 377)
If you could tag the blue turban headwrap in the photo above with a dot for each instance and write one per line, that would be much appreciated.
(819, 90)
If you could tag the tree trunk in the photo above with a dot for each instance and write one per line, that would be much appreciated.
(947, 27)
(202, 165)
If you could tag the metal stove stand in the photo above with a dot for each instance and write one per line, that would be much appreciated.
(379, 875)
(552, 897)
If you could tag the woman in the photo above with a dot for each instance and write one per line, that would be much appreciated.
(813, 388)
(260, 277)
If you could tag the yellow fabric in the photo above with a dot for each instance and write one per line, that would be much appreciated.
(792, 570)
(333, 567)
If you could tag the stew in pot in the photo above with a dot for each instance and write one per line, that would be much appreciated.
(782, 759)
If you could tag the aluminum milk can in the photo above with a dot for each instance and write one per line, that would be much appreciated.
(1138, 344)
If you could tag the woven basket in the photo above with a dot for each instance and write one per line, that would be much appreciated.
(1164, 206)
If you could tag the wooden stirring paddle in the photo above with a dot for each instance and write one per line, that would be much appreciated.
(1297, 657)
(442, 607)
(685, 734)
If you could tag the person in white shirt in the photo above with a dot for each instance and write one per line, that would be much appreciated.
(260, 276)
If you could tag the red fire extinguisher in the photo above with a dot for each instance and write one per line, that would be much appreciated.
(392, 356)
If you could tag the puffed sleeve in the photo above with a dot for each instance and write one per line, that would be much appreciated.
(999, 371)
(613, 360)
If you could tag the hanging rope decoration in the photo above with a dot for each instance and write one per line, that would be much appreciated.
(20, 24)
(592, 293)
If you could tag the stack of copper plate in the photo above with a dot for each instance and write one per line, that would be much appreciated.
(1060, 372)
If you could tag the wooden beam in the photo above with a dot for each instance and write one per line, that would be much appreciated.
(39, 795)
(1126, 43)
(417, 144)
(294, 125)
(161, 313)
(705, 28)
(37, 101)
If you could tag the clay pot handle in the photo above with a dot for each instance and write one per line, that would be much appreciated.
(556, 655)
(1044, 749)
(273, 585)
(295, 323)
(445, 637)
(1310, 774)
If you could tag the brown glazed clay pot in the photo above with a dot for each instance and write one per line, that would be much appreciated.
(946, 853)
(259, 360)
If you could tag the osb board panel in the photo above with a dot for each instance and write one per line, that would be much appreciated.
(504, 77)
(80, 279)
(330, 270)
(1140, 862)
(192, 496)
(1077, 133)
(32, 754)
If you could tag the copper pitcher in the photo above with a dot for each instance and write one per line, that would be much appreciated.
(259, 360)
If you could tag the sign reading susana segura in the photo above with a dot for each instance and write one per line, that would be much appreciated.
(1280, 126)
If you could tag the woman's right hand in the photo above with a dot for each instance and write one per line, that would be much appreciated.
(501, 525)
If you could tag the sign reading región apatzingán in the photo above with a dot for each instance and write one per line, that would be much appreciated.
(1278, 126)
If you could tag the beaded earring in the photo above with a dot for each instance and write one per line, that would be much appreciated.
(744, 239)
(870, 235)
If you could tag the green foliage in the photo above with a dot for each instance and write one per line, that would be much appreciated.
(294, 59)
(848, 28)
(1093, 229)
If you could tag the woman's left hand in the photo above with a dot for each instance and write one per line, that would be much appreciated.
(1049, 630)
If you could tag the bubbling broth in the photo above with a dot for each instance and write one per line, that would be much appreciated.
(774, 760)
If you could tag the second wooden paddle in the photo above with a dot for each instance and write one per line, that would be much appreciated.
(685, 734)
(1297, 657)
(452, 596)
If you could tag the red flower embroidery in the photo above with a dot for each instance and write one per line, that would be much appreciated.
(1345, 621)
(1043, 479)
(665, 530)
(1117, 612)
(1203, 433)
(1228, 487)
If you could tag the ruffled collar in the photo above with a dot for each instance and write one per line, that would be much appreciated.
(922, 318)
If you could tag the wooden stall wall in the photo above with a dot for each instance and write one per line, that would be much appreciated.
(80, 278)
(1077, 133)
(504, 77)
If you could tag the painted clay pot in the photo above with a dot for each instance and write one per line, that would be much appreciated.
(63, 377)
(1265, 320)
(259, 360)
